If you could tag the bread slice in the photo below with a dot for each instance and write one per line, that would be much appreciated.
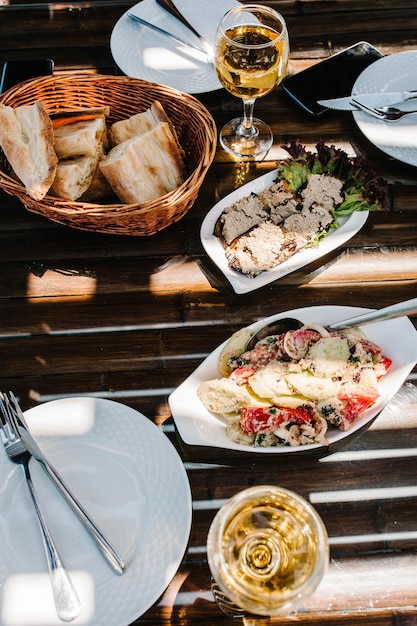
(99, 187)
(80, 138)
(145, 167)
(26, 136)
(138, 124)
(74, 177)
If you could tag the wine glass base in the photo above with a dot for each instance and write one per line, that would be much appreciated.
(233, 138)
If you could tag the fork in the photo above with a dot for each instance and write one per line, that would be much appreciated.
(67, 602)
(17, 419)
(389, 114)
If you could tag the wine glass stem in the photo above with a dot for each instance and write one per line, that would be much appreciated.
(248, 129)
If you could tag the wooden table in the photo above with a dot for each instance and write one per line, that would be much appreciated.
(130, 318)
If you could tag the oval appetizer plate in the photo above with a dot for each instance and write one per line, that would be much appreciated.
(213, 245)
(198, 426)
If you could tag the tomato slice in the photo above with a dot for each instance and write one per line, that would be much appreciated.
(386, 362)
(242, 374)
(259, 419)
(355, 400)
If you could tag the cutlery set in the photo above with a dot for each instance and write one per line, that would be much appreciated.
(161, 31)
(20, 446)
(170, 7)
(67, 602)
(389, 106)
(387, 113)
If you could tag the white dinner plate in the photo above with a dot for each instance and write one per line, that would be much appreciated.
(142, 53)
(198, 426)
(396, 72)
(130, 479)
(349, 226)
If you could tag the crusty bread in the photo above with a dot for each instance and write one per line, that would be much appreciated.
(80, 138)
(99, 187)
(145, 167)
(26, 136)
(138, 124)
(146, 163)
(74, 177)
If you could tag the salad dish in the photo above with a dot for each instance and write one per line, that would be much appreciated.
(310, 205)
(308, 390)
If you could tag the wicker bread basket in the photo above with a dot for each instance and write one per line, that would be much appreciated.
(125, 96)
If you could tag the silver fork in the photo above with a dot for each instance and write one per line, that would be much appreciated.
(389, 114)
(111, 555)
(67, 603)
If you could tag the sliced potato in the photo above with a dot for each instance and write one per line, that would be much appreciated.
(292, 402)
(312, 387)
(270, 382)
(223, 396)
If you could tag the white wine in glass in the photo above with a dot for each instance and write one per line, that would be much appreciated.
(267, 550)
(251, 57)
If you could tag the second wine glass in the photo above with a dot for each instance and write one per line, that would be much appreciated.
(251, 57)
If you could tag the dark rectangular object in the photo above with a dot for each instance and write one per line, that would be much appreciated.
(332, 78)
(15, 72)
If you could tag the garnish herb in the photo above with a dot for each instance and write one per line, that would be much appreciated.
(364, 189)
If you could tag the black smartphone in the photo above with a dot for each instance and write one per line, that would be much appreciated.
(332, 78)
(15, 72)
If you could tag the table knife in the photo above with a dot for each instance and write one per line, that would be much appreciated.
(107, 550)
(170, 7)
(369, 99)
(161, 31)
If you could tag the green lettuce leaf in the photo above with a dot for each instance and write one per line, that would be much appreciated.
(363, 190)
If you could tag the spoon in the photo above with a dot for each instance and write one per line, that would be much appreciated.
(290, 323)
(274, 328)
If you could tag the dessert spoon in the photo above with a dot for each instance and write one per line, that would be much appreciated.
(285, 324)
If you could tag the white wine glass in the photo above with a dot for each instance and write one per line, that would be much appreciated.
(267, 550)
(250, 57)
